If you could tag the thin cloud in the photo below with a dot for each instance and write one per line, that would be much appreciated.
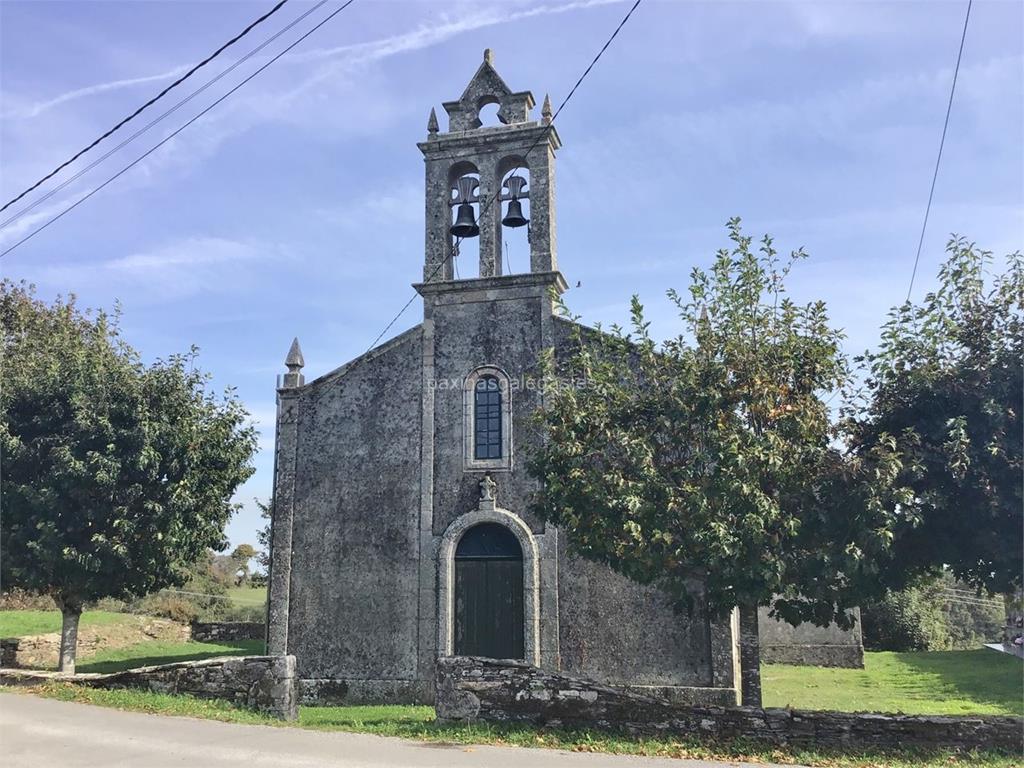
(34, 110)
(358, 53)
(176, 270)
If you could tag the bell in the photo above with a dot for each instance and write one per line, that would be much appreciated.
(465, 222)
(514, 217)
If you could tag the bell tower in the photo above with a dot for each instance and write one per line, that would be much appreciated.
(477, 178)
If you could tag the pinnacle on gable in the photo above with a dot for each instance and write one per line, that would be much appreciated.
(294, 361)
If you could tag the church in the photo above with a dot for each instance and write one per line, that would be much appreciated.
(401, 527)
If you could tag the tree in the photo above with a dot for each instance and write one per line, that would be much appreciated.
(117, 475)
(707, 464)
(264, 537)
(947, 384)
(240, 557)
(910, 619)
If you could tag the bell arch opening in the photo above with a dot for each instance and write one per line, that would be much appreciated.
(464, 230)
(489, 610)
(514, 220)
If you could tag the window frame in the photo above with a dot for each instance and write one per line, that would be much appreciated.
(504, 461)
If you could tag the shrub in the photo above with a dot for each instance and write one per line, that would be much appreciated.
(169, 606)
(974, 619)
(17, 599)
(109, 604)
(937, 614)
(909, 620)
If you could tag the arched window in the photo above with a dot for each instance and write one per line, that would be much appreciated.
(487, 419)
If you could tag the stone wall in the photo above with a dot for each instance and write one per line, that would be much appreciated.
(217, 631)
(36, 651)
(782, 643)
(354, 692)
(471, 689)
(262, 683)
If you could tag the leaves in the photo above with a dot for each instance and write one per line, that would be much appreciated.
(712, 454)
(116, 475)
(945, 389)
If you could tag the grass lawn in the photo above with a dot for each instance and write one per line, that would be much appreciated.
(248, 595)
(21, 623)
(161, 652)
(418, 723)
(933, 683)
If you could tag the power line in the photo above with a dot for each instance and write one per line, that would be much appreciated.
(955, 601)
(942, 143)
(976, 601)
(156, 120)
(215, 597)
(149, 103)
(972, 593)
(159, 144)
(540, 137)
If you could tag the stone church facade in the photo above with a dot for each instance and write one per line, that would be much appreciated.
(401, 530)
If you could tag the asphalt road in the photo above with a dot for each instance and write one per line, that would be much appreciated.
(43, 732)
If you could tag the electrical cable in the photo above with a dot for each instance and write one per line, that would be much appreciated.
(156, 120)
(156, 146)
(942, 143)
(547, 129)
(149, 103)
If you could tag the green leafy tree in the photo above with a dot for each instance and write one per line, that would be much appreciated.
(116, 475)
(263, 536)
(947, 384)
(240, 557)
(910, 619)
(707, 465)
(934, 613)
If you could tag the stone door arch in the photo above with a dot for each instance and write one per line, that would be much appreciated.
(530, 584)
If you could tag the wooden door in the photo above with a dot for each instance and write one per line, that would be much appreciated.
(489, 594)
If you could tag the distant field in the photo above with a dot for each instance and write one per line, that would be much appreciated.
(248, 595)
(925, 683)
(21, 623)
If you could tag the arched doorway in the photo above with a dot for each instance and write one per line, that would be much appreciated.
(489, 593)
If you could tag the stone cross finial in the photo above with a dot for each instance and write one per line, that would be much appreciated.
(545, 110)
(432, 122)
(294, 362)
(487, 493)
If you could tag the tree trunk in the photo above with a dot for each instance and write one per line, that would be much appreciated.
(70, 615)
(750, 657)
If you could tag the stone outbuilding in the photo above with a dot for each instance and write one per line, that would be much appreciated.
(401, 530)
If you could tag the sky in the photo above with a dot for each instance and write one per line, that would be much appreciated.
(295, 207)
